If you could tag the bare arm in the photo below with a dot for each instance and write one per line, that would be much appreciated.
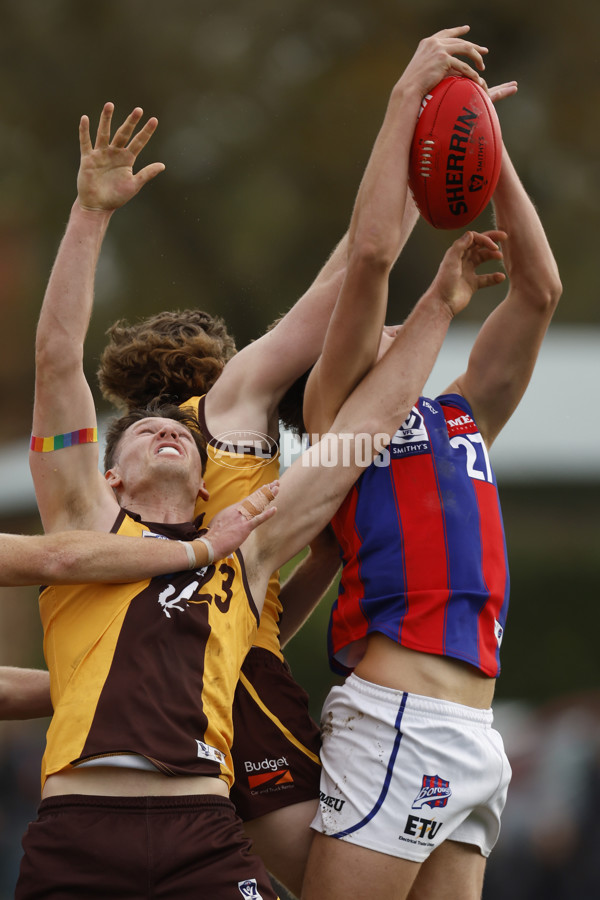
(24, 693)
(247, 394)
(382, 220)
(254, 381)
(77, 557)
(70, 491)
(308, 583)
(312, 488)
(506, 349)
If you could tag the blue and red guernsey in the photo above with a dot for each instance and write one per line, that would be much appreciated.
(423, 545)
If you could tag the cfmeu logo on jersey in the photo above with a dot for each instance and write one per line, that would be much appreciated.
(435, 792)
(249, 889)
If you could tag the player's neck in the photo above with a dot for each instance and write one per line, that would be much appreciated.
(159, 506)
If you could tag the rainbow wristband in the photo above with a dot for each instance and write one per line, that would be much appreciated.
(59, 441)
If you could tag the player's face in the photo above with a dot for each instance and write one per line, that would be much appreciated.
(388, 334)
(158, 447)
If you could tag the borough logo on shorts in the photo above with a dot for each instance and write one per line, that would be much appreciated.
(435, 792)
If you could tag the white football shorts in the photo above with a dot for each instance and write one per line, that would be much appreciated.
(402, 773)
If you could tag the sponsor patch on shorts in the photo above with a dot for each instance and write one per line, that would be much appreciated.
(435, 792)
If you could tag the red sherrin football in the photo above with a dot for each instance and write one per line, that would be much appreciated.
(456, 153)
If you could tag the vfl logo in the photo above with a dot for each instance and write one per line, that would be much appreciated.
(476, 182)
(249, 889)
(435, 792)
(412, 429)
(410, 439)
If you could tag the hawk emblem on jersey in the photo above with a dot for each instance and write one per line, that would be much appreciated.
(249, 889)
(168, 602)
(435, 792)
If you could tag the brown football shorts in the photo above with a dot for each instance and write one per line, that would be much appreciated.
(172, 848)
(276, 743)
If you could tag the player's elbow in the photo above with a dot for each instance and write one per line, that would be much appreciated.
(372, 251)
(56, 355)
(59, 565)
(543, 289)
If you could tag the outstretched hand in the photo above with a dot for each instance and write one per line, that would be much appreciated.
(232, 525)
(457, 279)
(106, 179)
(437, 56)
(501, 91)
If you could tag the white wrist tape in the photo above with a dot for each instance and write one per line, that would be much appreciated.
(210, 549)
(190, 554)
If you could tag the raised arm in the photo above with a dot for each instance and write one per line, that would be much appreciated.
(69, 488)
(382, 220)
(315, 485)
(247, 393)
(255, 380)
(506, 349)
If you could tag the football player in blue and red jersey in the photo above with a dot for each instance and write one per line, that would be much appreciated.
(414, 775)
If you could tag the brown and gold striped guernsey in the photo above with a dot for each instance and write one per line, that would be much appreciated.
(230, 477)
(148, 668)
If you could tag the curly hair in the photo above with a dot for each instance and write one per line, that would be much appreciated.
(172, 355)
(119, 425)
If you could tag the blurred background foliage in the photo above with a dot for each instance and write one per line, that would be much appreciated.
(267, 113)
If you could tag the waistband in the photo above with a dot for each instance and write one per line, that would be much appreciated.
(197, 802)
(430, 706)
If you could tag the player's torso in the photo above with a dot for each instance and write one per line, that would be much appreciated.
(423, 544)
(148, 668)
(230, 476)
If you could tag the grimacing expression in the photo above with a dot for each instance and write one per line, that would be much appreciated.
(157, 443)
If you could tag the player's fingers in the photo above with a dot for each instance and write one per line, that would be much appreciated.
(476, 52)
(85, 143)
(103, 133)
(459, 67)
(485, 242)
(124, 132)
(464, 241)
(498, 235)
(501, 91)
(456, 31)
(263, 516)
(490, 279)
(148, 173)
(259, 500)
(139, 141)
